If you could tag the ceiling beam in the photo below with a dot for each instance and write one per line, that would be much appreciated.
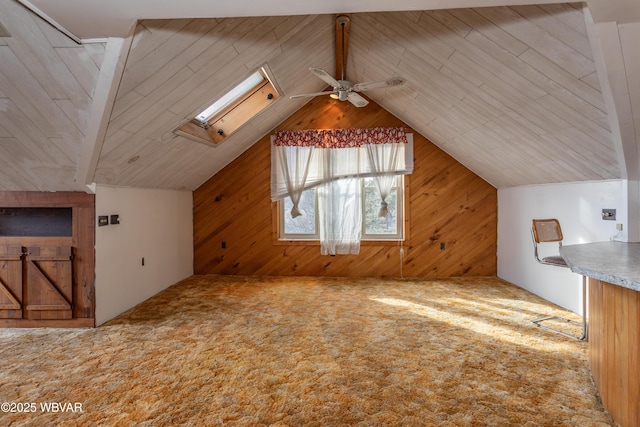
(612, 72)
(111, 71)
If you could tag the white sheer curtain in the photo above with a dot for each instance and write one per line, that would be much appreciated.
(334, 161)
(294, 163)
(340, 224)
(384, 160)
(339, 202)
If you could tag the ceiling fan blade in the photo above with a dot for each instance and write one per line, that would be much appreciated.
(305, 95)
(393, 81)
(328, 79)
(357, 100)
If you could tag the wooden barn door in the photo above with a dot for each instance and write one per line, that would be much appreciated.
(49, 282)
(11, 289)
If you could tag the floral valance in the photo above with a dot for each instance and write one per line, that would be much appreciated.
(339, 138)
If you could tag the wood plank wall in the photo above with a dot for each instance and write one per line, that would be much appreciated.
(446, 203)
(82, 241)
(614, 349)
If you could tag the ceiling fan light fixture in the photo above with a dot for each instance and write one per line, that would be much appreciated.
(343, 89)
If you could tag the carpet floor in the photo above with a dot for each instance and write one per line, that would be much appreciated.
(250, 351)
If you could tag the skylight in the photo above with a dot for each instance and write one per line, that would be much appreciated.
(232, 96)
(230, 112)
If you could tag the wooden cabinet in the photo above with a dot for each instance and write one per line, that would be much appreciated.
(11, 287)
(47, 259)
(36, 282)
(614, 349)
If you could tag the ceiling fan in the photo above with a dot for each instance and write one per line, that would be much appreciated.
(343, 89)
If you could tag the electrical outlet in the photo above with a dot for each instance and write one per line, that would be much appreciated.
(619, 227)
(609, 214)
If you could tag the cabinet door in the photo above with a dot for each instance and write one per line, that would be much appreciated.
(10, 282)
(49, 282)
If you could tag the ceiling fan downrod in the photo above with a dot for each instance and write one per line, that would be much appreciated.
(343, 20)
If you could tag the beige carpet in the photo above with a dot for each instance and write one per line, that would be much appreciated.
(242, 351)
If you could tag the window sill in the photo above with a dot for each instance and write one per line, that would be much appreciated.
(285, 242)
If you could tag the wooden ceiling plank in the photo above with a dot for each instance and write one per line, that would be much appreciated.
(222, 37)
(77, 116)
(516, 101)
(32, 100)
(413, 37)
(297, 28)
(564, 79)
(578, 120)
(31, 138)
(80, 64)
(451, 21)
(29, 44)
(559, 53)
(489, 30)
(34, 50)
(25, 95)
(122, 104)
(15, 176)
(534, 76)
(448, 88)
(147, 74)
(208, 83)
(150, 33)
(571, 15)
(491, 68)
(557, 28)
(592, 80)
(600, 157)
(148, 107)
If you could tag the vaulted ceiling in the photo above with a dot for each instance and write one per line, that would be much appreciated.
(523, 94)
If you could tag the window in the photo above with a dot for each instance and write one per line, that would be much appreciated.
(374, 227)
(231, 111)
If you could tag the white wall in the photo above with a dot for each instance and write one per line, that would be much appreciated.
(578, 207)
(154, 224)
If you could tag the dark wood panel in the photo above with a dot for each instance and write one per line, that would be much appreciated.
(84, 260)
(11, 282)
(82, 242)
(446, 203)
(45, 199)
(49, 281)
(35, 221)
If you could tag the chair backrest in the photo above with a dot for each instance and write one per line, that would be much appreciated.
(546, 230)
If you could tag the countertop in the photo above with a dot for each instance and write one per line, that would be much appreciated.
(613, 262)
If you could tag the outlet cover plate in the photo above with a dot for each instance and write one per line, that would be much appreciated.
(609, 214)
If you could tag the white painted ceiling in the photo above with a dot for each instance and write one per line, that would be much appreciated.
(523, 94)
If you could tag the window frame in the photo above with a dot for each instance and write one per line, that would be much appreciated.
(279, 238)
(399, 235)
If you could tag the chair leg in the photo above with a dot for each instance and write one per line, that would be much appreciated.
(585, 327)
(584, 336)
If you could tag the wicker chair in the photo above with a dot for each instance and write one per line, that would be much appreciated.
(549, 231)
